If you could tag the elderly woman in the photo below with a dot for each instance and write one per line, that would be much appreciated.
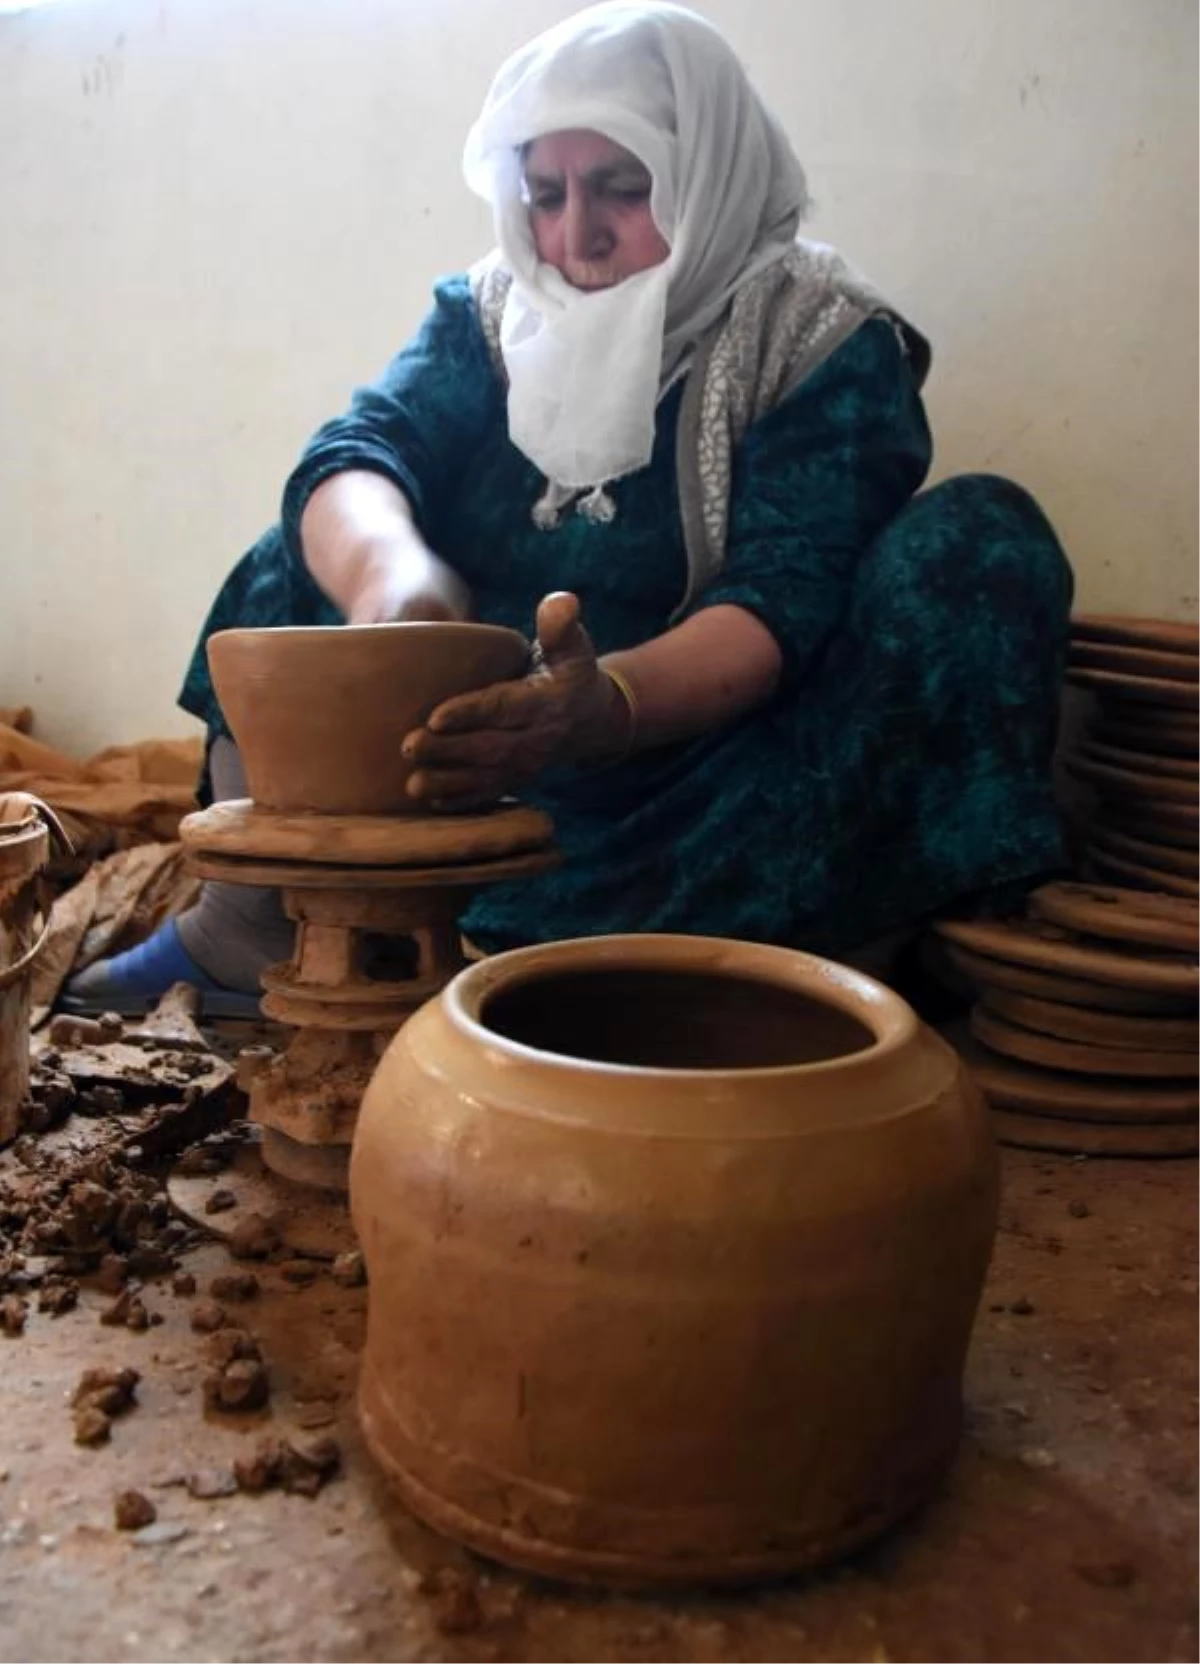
(775, 693)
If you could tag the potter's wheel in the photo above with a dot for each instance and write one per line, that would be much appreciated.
(376, 901)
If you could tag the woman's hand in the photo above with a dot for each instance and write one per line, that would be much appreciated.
(401, 581)
(480, 746)
(362, 545)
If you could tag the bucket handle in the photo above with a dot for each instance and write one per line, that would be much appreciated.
(13, 973)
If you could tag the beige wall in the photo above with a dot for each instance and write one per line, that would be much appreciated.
(217, 216)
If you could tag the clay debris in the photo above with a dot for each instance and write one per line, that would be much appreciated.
(132, 1511)
(295, 1463)
(70, 1213)
(100, 1396)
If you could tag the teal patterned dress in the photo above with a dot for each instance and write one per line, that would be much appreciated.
(904, 764)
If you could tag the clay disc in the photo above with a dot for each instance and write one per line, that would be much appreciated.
(1011, 1085)
(1094, 1028)
(1142, 762)
(1119, 915)
(240, 828)
(1123, 1061)
(1156, 822)
(316, 875)
(1082, 1138)
(987, 974)
(1116, 867)
(1161, 857)
(1147, 690)
(1152, 733)
(1045, 947)
(1134, 661)
(1162, 633)
(1133, 784)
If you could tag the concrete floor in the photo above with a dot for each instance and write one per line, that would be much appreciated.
(1067, 1529)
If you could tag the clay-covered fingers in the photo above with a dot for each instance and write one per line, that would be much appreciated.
(503, 705)
(446, 788)
(481, 749)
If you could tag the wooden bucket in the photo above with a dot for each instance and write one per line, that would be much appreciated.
(24, 850)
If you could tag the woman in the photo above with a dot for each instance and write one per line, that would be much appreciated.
(776, 695)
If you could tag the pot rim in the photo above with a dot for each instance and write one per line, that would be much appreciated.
(890, 1019)
(452, 626)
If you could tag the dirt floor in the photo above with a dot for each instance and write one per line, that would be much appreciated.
(1067, 1529)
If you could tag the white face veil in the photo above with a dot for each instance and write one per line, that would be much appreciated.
(586, 370)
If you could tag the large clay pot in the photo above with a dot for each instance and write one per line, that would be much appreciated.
(674, 1247)
(319, 713)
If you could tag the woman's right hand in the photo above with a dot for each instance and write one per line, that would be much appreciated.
(362, 545)
(402, 581)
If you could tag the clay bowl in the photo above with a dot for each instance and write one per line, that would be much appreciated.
(674, 1247)
(319, 713)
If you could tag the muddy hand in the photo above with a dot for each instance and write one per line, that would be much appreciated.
(482, 745)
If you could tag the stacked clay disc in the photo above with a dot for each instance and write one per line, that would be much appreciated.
(1084, 1033)
(1139, 755)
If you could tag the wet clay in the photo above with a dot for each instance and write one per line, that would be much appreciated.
(319, 714)
(630, 1319)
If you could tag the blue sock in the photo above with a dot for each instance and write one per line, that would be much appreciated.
(148, 970)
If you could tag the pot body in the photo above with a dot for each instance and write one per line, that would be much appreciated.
(319, 714)
(685, 1318)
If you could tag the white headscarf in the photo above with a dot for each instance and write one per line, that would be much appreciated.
(586, 370)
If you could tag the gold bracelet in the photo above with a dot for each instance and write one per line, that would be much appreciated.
(622, 685)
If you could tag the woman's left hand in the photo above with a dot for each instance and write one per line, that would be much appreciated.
(480, 746)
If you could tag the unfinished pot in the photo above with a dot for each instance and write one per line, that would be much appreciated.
(674, 1247)
(319, 713)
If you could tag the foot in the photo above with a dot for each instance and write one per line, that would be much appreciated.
(132, 982)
